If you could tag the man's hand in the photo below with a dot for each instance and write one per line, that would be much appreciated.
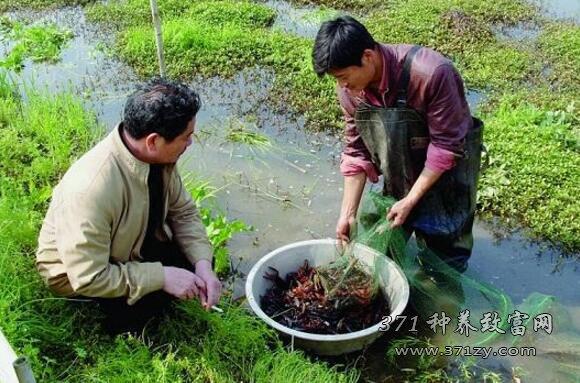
(213, 286)
(399, 212)
(343, 227)
(182, 283)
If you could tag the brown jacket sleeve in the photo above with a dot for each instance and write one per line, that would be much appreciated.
(83, 238)
(185, 222)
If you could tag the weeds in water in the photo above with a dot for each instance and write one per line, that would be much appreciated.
(436, 369)
(240, 133)
(38, 43)
(6, 5)
(219, 228)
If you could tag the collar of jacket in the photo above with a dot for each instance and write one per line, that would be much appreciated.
(137, 167)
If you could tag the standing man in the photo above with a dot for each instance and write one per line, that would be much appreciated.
(407, 118)
(121, 228)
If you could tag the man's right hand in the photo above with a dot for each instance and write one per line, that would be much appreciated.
(182, 283)
(343, 227)
(353, 189)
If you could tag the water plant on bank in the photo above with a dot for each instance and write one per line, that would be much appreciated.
(533, 168)
(218, 227)
(39, 43)
(40, 136)
(216, 12)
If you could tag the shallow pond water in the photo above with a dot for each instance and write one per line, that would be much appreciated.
(292, 190)
(560, 9)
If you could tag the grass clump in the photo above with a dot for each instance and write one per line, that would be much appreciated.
(533, 172)
(39, 43)
(239, 133)
(6, 5)
(194, 48)
(241, 13)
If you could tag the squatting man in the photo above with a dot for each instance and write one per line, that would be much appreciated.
(121, 228)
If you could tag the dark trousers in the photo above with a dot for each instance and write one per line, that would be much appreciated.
(120, 317)
(454, 250)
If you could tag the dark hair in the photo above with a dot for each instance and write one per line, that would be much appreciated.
(340, 43)
(160, 106)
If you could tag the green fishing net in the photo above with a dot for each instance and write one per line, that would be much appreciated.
(473, 312)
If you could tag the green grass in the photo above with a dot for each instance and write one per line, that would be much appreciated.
(244, 13)
(560, 46)
(38, 4)
(534, 168)
(39, 43)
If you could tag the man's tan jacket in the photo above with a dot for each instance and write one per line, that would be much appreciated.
(91, 236)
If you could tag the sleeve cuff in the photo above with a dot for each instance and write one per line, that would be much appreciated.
(438, 159)
(350, 166)
(155, 281)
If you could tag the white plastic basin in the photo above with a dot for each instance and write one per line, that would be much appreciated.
(319, 252)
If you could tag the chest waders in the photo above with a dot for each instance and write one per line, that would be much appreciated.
(397, 139)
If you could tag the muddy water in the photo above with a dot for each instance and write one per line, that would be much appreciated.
(292, 190)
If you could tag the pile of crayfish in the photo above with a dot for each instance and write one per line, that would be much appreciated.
(322, 301)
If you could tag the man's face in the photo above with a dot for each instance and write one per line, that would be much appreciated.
(170, 151)
(355, 78)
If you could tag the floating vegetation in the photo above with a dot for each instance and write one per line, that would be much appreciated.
(39, 43)
(239, 133)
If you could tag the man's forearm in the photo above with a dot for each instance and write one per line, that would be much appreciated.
(353, 189)
(426, 179)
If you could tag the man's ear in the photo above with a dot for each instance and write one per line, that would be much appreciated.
(152, 141)
(368, 55)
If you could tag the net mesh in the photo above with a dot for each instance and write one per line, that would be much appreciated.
(437, 288)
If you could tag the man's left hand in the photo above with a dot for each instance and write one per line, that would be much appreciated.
(212, 283)
(399, 212)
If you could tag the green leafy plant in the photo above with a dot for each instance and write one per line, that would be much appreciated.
(38, 43)
(218, 227)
